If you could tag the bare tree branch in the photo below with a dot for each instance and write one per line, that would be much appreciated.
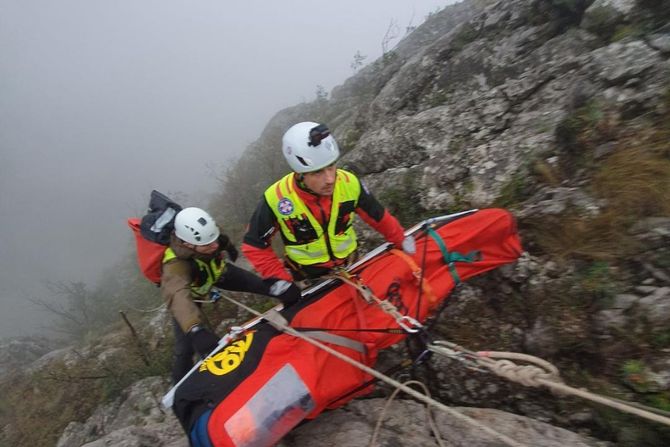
(392, 33)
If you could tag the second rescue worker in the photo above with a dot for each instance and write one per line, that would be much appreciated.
(313, 209)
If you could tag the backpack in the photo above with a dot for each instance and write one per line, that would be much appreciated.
(152, 234)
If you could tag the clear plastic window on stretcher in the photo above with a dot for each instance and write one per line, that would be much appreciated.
(272, 412)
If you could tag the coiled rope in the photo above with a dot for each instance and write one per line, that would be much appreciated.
(540, 373)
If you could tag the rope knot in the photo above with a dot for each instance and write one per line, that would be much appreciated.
(527, 375)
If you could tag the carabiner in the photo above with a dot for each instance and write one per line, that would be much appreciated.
(416, 326)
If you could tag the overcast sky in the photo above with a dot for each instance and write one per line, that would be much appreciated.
(103, 101)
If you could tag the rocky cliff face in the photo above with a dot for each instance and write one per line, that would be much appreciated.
(558, 110)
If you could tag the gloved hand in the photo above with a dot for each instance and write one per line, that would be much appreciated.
(232, 252)
(228, 246)
(203, 340)
(286, 292)
(408, 245)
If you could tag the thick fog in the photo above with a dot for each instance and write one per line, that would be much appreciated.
(100, 102)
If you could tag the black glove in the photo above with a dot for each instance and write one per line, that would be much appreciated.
(203, 340)
(232, 252)
(286, 292)
(225, 242)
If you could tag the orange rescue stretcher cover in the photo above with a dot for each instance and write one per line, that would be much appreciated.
(254, 390)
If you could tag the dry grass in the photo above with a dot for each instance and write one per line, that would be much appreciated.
(37, 407)
(633, 182)
(585, 128)
(600, 238)
(546, 173)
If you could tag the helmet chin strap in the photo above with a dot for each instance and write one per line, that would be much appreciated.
(300, 180)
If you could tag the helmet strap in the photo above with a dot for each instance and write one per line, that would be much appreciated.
(300, 181)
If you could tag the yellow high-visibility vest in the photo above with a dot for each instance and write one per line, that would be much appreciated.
(211, 272)
(305, 241)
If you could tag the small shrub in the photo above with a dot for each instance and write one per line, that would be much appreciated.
(623, 31)
(546, 173)
(350, 138)
(661, 339)
(634, 367)
(562, 13)
(404, 200)
(601, 20)
(598, 283)
(358, 62)
(467, 34)
(660, 401)
(582, 128)
(633, 374)
(515, 191)
(438, 97)
(388, 58)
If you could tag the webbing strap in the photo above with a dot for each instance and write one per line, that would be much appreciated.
(450, 258)
(388, 330)
(416, 270)
(278, 321)
(337, 340)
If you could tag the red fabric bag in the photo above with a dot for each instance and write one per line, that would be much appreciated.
(149, 254)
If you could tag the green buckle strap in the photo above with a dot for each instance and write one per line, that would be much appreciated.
(450, 258)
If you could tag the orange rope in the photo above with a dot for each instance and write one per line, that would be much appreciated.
(416, 271)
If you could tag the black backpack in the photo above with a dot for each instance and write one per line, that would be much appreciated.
(158, 223)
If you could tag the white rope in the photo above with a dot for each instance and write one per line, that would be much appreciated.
(544, 373)
(429, 415)
(404, 321)
(275, 319)
(147, 311)
(534, 376)
(605, 401)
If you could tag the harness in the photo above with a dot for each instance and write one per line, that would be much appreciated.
(208, 272)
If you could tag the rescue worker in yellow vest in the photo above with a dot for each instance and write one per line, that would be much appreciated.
(193, 264)
(313, 209)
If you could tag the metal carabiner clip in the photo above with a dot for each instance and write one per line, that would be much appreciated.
(415, 325)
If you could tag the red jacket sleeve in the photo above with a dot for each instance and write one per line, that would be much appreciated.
(388, 226)
(374, 214)
(266, 262)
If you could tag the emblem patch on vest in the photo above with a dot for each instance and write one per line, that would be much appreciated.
(285, 206)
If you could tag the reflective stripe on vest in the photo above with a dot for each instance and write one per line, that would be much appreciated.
(211, 271)
(290, 211)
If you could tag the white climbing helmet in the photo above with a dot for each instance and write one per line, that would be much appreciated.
(309, 146)
(195, 226)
